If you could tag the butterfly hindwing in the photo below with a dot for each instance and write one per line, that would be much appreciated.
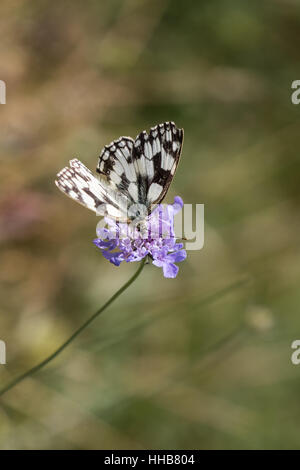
(79, 183)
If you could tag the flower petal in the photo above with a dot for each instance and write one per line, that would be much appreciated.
(170, 270)
(177, 204)
(177, 256)
(114, 257)
(123, 242)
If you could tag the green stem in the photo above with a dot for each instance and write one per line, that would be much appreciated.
(46, 361)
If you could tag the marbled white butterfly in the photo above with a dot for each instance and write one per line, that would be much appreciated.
(132, 174)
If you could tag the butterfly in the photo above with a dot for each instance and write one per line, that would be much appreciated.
(134, 175)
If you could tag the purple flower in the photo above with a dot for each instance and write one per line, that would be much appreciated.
(156, 238)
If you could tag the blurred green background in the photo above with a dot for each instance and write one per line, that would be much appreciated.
(202, 361)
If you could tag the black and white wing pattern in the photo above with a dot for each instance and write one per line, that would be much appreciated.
(143, 169)
(79, 183)
(116, 167)
(131, 172)
(156, 155)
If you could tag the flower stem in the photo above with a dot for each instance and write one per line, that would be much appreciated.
(46, 361)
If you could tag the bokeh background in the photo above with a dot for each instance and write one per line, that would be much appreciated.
(203, 361)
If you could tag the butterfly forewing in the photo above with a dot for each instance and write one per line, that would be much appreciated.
(116, 167)
(143, 169)
(155, 156)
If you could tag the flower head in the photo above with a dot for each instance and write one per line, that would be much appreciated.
(154, 237)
